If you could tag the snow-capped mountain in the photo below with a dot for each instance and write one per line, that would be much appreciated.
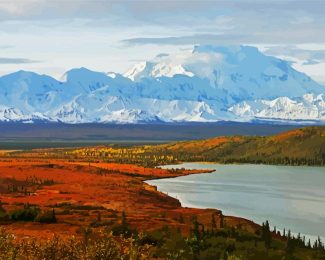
(241, 72)
(206, 84)
(8, 114)
(308, 107)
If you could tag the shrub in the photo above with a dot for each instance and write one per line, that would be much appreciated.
(46, 217)
(3, 214)
(123, 228)
(26, 214)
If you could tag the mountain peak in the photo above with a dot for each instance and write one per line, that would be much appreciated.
(23, 74)
(29, 78)
(201, 61)
(81, 74)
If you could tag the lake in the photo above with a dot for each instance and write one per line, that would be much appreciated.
(291, 197)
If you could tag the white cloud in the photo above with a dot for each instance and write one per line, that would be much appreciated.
(307, 58)
(73, 33)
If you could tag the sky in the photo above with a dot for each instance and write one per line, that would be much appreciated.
(53, 36)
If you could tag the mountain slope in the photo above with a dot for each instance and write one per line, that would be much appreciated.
(304, 146)
(300, 146)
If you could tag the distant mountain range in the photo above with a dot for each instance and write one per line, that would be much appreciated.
(206, 84)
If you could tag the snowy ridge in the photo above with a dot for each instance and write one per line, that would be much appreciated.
(8, 114)
(308, 107)
(206, 84)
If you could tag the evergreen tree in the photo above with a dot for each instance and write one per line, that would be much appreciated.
(222, 222)
(195, 230)
(289, 234)
(124, 222)
(290, 248)
(266, 234)
(53, 216)
(309, 244)
(181, 219)
(99, 217)
(213, 222)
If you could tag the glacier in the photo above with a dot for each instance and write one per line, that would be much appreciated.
(205, 84)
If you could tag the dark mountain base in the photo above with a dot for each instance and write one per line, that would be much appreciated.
(136, 131)
(47, 135)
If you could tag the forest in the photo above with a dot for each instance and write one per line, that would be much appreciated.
(304, 146)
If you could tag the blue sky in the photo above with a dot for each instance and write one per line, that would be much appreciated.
(52, 36)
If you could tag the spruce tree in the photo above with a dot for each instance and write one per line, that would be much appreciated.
(213, 222)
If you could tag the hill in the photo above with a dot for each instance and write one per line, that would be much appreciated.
(304, 146)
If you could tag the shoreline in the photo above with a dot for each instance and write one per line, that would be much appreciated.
(184, 205)
(201, 171)
(245, 163)
(81, 185)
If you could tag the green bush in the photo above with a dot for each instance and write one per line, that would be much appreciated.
(4, 217)
(28, 213)
(123, 228)
(46, 217)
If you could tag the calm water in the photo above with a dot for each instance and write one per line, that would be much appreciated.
(290, 197)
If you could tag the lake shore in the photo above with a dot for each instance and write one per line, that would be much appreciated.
(249, 191)
(79, 190)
